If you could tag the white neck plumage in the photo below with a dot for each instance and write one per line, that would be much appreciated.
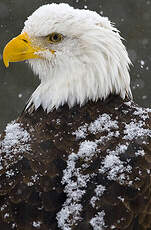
(94, 73)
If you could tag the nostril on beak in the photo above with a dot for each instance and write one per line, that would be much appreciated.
(24, 40)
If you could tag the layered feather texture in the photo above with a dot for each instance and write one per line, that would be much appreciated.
(85, 167)
(89, 64)
(82, 168)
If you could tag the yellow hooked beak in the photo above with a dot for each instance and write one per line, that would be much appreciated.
(19, 48)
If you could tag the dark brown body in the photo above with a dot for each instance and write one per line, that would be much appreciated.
(126, 205)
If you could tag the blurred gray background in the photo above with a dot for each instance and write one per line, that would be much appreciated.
(131, 17)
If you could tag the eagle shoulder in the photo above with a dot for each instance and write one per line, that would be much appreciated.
(81, 168)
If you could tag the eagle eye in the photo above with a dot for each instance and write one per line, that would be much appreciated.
(55, 37)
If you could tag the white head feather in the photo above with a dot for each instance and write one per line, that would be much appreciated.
(89, 63)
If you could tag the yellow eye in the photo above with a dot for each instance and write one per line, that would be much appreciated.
(55, 37)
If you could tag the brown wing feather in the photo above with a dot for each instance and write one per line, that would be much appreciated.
(31, 191)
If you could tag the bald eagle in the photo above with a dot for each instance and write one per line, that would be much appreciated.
(79, 155)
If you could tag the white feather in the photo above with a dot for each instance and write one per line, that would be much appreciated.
(90, 63)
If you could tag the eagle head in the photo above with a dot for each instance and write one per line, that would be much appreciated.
(77, 54)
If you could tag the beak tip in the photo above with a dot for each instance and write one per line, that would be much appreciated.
(5, 59)
(18, 50)
(6, 63)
